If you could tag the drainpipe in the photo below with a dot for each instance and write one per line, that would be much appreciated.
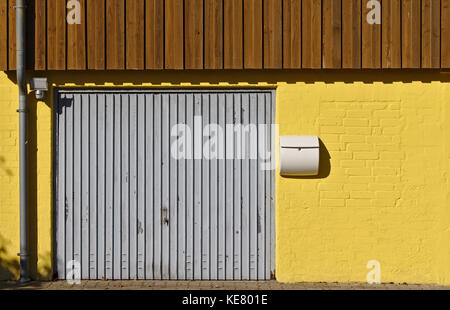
(22, 84)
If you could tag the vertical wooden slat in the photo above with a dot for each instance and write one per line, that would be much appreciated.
(96, 34)
(40, 59)
(292, 34)
(445, 33)
(371, 40)
(431, 33)
(253, 39)
(3, 35)
(174, 34)
(273, 40)
(154, 49)
(213, 34)
(332, 34)
(56, 34)
(193, 17)
(76, 38)
(135, 49)
(233, 48)
(115, 34)
(311, 34)
(411, 34)
(351, 34)
(391, 56)
(12, 35)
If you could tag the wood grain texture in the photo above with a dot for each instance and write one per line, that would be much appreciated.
(193, 16)
(391, 37)
(56, 34)
(96, 35)
(351, 34)
(135, 37)
(3, 35)
(213, 34)
(371, 39)
(445, 34)
(253, 34)
(311, 34)
(115, 34)
(154, 34)
(12, 35)
(292, 34)
(332, 34)
(174, 47)
(431, 33)
(76, 41)
(273, 39)
(411, 30)
(233, 23)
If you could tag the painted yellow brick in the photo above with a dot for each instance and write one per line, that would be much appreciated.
(381, 187)
(332, 129)
(388, 179)
(352, 163)
(389, 122)
(359, 147)
(362, 195)
(332, 202)
(358, 130)
(353, 138)
(356, 122)
(355, 187)
(366, 155)
(358, 171)
(360, 179)
(391, 147)
(334, 195)
(358, 203)
(392, 130)
(385, 171)
(379, 139)
(384, 202)
(388, 195)
(391, 155)
(330, 186)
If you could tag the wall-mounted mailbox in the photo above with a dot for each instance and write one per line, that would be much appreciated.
(299, 155)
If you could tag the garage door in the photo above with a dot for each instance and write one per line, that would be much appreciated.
(164, 184)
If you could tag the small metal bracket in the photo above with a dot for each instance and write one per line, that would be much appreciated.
(23, 255)
(22, 110)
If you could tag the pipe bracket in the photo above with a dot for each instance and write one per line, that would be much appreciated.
(23, 255)
(22, 110)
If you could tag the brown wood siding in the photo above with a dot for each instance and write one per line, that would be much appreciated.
(230, 34)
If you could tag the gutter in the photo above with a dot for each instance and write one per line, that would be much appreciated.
(22, 85)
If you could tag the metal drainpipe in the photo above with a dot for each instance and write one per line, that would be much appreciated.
(22, 84)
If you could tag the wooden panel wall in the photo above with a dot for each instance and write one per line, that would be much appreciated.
(231, 34)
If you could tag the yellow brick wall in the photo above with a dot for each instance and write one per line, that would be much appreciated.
(382, 191)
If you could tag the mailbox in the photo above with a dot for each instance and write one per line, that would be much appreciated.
(299, 155)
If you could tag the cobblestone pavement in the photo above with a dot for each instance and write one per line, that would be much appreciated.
(207, 285)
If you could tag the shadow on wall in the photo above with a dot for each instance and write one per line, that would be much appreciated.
(203, 77)
(9, 267)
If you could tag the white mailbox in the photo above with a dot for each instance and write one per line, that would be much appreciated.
(299, 155)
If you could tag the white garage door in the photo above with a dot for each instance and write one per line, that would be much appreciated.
(160, 184)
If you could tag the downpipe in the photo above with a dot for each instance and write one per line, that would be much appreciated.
(22, 85)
